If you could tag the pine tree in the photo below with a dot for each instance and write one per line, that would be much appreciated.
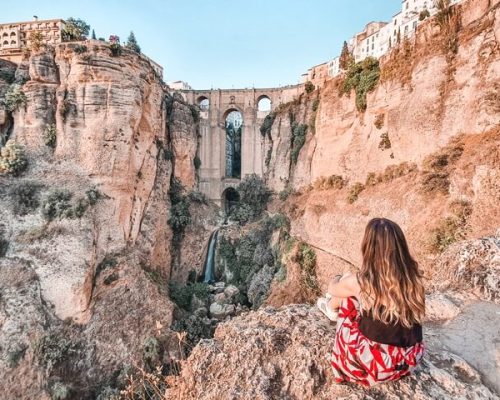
(345, 57)
(93, 35)
(132, 43)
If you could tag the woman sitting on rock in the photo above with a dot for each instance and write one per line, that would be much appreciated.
(379, 310)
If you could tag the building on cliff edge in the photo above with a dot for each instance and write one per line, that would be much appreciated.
(377, 38)
(15, 39)
(15, 36)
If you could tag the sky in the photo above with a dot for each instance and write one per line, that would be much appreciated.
(221, 43)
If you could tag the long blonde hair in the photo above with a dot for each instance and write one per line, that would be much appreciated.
(390, 281)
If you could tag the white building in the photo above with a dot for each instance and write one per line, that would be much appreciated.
(379, 37)
(179, 85)
(334, 67)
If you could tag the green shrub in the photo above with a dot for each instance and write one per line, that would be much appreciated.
(4, 246)
(80, 207)
(283, 195)
(306, 258)
(116, 49)
(309, 87)
(254, 193)
(242, 213)
(93, 195)
(315, 105)
(363, 78)
(14, 97)
(183, 295)
(354, 192)
(58, 205)
(51, 349)
(169, 155)
(80, 49)
(24, 197)
(180, 216)
(195, 112)
(132, 43)
(15, 355)
(385, 142)
(267, 124)
(60, 391)
(299, 132)
(13, 158)
(8, 75)
(50, 136)
(197, 162)
(198, 197)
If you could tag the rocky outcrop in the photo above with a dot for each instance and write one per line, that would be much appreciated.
(281, 353)
(100, 267)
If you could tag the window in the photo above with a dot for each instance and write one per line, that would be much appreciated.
(373, 46)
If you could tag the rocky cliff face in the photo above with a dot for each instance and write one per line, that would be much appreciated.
(90, 250)
(427, 96)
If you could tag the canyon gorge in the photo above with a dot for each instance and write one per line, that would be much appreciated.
(122, 276)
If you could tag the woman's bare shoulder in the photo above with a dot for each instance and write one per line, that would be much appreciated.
(351, 281)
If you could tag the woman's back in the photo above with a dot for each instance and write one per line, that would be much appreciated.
(379, 332)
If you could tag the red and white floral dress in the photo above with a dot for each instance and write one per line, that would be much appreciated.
(368, 351)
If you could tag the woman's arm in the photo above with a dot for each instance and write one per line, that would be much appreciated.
(347, 286)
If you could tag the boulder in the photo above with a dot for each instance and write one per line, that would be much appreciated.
(221, 311)
(231, 292)
(220, 298)
(439, 307)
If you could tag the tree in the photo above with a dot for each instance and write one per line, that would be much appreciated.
(132, 43)
(93, 35)
(346, 57)
(75, 29)
(36, 40)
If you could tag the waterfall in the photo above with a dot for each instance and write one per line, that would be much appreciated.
(209, 266)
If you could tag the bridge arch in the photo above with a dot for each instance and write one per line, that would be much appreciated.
(264, 103)
(233, 126)
(203, 102)
(230, 198)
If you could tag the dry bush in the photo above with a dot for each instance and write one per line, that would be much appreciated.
(385, 142)
(379, 121)
(452, 228)
(331, 182)
(354, 192)
(390, 173)
(399, 65)
(438, 166)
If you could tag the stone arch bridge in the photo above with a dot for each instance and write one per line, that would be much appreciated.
(215, 106)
